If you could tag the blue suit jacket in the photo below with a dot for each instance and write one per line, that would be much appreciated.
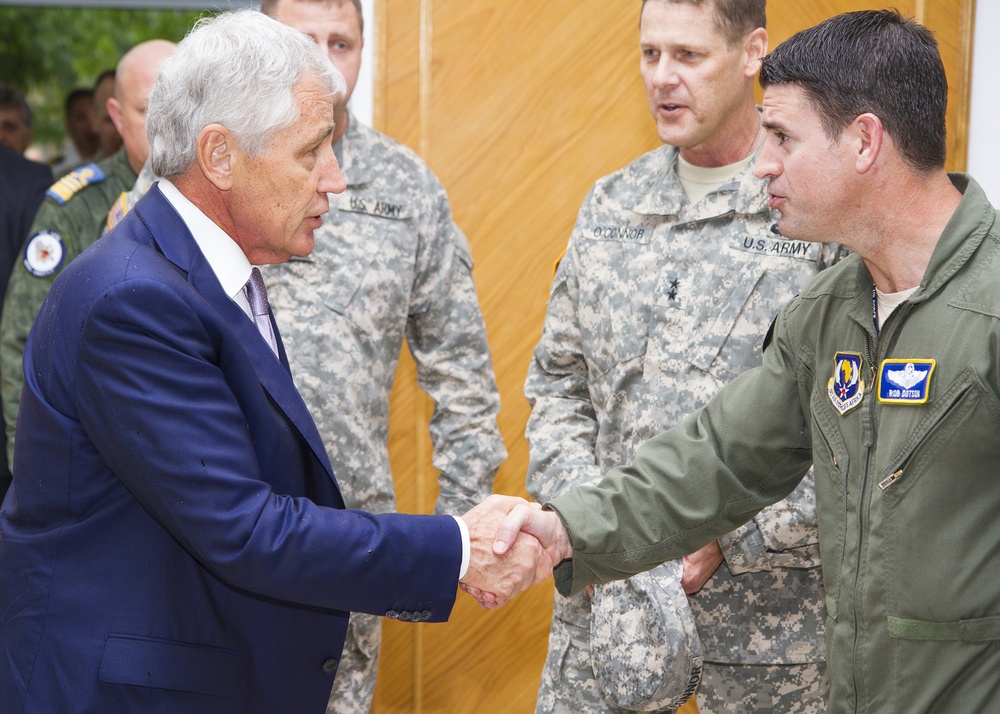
(174, 540)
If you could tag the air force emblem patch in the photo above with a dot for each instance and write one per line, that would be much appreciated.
(847, 389)
(43, 253)
(905, 381)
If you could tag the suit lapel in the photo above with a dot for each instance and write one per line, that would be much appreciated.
(178, 246)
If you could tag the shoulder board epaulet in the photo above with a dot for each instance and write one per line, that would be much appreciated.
(65, 188)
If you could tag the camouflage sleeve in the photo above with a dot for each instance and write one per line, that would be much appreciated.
(447, 338)
(562, 429)
(24, 298)
(784, 535)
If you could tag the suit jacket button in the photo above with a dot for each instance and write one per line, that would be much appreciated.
(404, 616)
(425, 615)
(330, 666)
(392, 615)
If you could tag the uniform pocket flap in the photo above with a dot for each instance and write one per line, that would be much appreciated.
(983, 629)
(163, 664)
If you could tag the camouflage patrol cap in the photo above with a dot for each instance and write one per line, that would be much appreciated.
(644, 645)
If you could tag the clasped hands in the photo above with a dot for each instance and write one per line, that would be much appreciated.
(514, 545)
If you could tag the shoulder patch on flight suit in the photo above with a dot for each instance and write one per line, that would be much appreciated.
(70, 184)
(43, 253)
(905, 381)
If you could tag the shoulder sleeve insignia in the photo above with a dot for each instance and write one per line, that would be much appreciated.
(66, 187)
(44, 253)
(117, 212)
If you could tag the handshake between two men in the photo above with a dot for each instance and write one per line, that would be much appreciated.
(514, 544)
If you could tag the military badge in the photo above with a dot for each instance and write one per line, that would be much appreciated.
(44, 253)
(846, 389)
(905, 381)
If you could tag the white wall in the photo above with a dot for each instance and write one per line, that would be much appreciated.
(984, 122)
(363, 99)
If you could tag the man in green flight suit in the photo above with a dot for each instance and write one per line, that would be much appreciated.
(73, 216)
(883, 374)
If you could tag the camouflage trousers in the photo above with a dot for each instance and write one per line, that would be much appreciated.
(354, 686)
(763, 689)
(568, 684)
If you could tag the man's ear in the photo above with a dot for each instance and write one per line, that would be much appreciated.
(216, 155)
(868, 133)
(754, 49)
(115, 112)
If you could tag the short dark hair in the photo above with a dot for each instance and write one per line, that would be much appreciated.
(106, 74)
(736, 18)
(873, 61)
(77, 94)
(12, 98)
(268, 7)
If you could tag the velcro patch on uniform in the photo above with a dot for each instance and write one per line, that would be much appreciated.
(777, 247)
(373, 207)
(846, 389)
(44, 253)
(66, 187)
(905, 381)
(620, 233)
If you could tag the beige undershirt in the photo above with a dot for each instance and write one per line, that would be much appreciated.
(698, 181)
(887, 302)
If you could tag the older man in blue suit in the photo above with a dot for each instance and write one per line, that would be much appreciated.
(174, 539)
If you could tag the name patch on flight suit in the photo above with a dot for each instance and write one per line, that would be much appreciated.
(66, 187)
(846, 389)
(775, 246)
(372, 207)
(905, 381)
(43, 253)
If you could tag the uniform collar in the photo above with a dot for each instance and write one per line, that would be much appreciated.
(354, 152)
(744, 194)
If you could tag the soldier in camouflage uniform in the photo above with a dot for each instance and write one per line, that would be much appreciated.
(388, 262)
(664, 295)
(73, 216)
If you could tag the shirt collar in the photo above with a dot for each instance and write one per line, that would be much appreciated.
(224, 256)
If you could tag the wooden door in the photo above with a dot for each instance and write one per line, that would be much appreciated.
(519, 106)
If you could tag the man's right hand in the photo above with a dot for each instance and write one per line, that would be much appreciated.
(545, 526)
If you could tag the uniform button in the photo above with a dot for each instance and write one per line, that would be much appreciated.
(392, 615)
(330, 666)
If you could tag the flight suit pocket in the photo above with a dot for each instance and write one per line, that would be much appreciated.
(942, 468)
(830, 466)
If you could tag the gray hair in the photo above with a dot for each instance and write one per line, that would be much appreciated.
(237, 69)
